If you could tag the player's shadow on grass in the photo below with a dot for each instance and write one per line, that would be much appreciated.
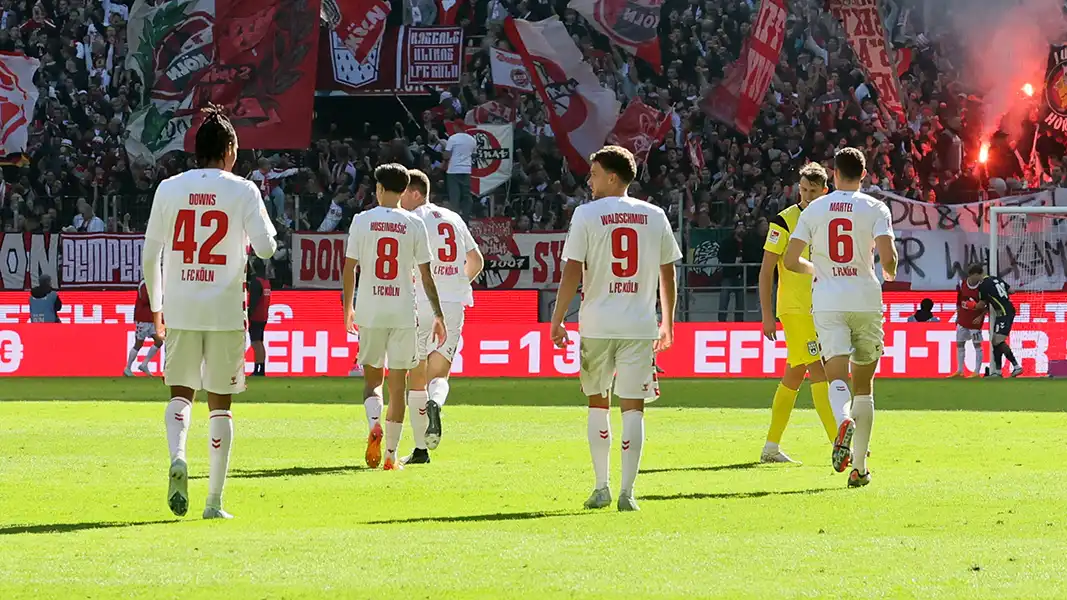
(515, 516)
(738, 495)
(288, 472)
(72, 527)
(733, 467)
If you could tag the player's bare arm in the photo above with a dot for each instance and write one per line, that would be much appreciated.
(568, 288)
(668, 299)
(348, 278)
(794, 258)
(887, 255)
(439, 333)
(766, 301)
(475, 263)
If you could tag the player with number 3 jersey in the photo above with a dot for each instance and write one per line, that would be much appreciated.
(843, 229)
(621, 250)
(201, 224)
(389, 244)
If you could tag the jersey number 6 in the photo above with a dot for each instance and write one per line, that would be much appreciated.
(624, 250)
(185, 236)
(841, 250)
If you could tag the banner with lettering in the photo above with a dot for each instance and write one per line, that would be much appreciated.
(27, 256)
(866, 34)
(737, 99)
(1054, 118)
(404, 61)
(101, 260)
(362, 25)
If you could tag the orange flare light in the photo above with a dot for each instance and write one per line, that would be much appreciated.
(1028, 89)
(983, 153)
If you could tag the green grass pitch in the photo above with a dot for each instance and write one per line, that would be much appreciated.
(967, 501)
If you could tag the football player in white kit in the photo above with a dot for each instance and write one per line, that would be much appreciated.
(201, 223)
(621, 250)
(455, 261)
(843, 229)
(389, 243)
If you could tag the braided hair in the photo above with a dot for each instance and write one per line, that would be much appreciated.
(215, 136)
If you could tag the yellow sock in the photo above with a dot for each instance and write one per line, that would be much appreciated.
(820, 396)
(781, 408)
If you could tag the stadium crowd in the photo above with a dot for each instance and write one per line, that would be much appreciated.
(818, 102)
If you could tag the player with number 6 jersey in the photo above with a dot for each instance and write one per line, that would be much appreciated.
(621, 250)
(455, 261)
(389, 244)
(201, 224)
(843, 229)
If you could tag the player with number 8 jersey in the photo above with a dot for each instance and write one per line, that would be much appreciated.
(621, 250)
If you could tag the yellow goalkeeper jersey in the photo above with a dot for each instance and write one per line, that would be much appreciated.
(794, 289)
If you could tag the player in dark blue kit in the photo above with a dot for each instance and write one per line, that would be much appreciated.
(994, 294)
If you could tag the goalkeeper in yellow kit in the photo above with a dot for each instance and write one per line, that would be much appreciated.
(794, 311)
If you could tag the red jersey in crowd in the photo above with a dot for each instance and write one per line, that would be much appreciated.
(258, 300)
(965, 317)
(142, 313)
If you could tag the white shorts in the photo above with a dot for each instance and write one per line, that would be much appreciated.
(630, 364)
(963, 335)
(144, 331)
(855, 334)
(453, 316)
(206, 360)
(391, 348)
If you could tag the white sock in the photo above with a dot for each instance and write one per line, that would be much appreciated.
(863, 413)
(598, 430)
(770, 447)
(392, 438)
(220, 438)
(438, 390)
(179, 413)
(633, 440)
(373, 405)
(419, 421)
(132, 356)
(840, 396)
(978, 358)
(961, 357)
(152, 352)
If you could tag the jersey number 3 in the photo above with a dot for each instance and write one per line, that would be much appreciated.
(624, 251)
(449, 252)
(841, 248)
(185, 236)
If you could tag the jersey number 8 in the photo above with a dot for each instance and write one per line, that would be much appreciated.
(386, 267)
(841, 248)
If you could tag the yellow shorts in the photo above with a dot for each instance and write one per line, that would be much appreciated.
(801, 341)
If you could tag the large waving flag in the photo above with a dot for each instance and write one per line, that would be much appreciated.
(581, 111)
(18, 97)
(633, 25)
(640, 128)
(362, 24)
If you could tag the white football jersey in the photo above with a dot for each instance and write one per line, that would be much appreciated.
(450, 241)
(204, 219)
(623, 242)
(841, 228)
(389, 244)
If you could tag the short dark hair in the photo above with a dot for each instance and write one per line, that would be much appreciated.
(419, 182)
(975, 269)
(814, 173)
(927, 304)
(617, 160)
(215, 136)
(393, 177)
(850, 163)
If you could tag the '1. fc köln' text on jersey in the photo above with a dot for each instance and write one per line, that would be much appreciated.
(204, 219)
(389, 244)
(622, 242)
(841, 228)
(450, 241)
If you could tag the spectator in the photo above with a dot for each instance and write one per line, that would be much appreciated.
(85, 221)
(925, 314)
(459, 150)
(44, 302)
(269, 180)
(741, 248)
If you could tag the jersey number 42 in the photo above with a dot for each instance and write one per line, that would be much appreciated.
(185, 236)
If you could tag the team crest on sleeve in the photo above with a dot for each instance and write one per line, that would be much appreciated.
(813, 348)
(774, 236)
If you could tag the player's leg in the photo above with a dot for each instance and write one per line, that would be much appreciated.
(140, 333)
(979, 359)
(801, 349)
(820, 397)
(402, 349)
(835, 340)
(157, 345)
(259, 351)
(372, 358)
(596, 375)
(417, 397)
(224, 375)
(633, 386)
(962, 336)
(439, 365)
(867, 336)
(1001, 331)
(182, 372)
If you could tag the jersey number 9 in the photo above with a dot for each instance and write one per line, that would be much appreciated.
(624, 251)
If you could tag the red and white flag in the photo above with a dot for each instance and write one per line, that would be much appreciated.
(492, 112)
(866, 35)
(362, 25)
(633, 25)
(639, 129)
(737, 99)
(508, 70)
(493, 160)
(695, 148)
(447, 11)
(581, 112)
(18, 97)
